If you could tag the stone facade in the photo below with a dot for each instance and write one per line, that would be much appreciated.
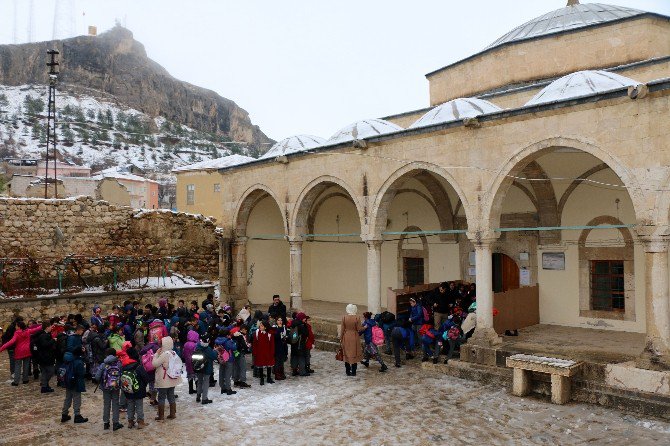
(48, 230)
(44, 308)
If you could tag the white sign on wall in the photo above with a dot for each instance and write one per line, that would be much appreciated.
(553, 260)
(524, 277)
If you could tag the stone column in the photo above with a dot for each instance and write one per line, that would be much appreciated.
(657, 302)
(295, 249)
(374, 275)
(238, 280)
(225, 270)
(484, 333)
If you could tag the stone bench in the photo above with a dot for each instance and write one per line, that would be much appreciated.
(560, 370)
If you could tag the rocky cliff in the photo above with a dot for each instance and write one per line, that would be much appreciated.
(115, 64)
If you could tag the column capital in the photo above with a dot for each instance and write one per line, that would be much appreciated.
(483, 237)
(373, 243)
(655, 244)
(240, 240)
(295, 239)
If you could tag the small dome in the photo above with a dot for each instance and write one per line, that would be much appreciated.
(293, 144)
(573, 16)
(456, 110)
(581, 83)
(363, 129)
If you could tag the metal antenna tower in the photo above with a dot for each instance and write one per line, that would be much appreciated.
(31, 21)
(16, 21)
(51, 121)
(64, 20)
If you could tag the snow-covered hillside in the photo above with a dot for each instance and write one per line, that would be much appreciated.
(100, 133)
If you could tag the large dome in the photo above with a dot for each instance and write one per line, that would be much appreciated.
(455, 110)
(568, 18)
(363, 129)
(581, 83)
(293, 144)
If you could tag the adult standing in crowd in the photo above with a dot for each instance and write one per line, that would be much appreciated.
(277, 308)
(349, 340)
(442, 299)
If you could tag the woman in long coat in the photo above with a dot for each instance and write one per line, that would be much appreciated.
(350, 341)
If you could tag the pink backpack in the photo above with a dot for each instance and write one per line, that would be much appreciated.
(147, 363)
(426, 314)
(377, 336)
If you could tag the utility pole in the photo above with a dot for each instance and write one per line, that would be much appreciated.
(51, 121)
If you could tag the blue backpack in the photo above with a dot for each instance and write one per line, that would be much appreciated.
(111, 376)
(65, 375)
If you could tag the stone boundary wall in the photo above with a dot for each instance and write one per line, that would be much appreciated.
(41, 308)
(46, 229)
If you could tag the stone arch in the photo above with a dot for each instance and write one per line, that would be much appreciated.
(250, 198)
(422, 253)
(309, 196)
(588, 254)
(427, 174)
(502, 180)
(317, 205)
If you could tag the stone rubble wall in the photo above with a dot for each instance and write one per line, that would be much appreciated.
(48, 230)
(44, 308)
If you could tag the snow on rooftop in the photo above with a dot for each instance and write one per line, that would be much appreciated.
(456, 110)
(581, 83)
(217, 163)
(114, 172)
(293, 144)
(567, 18)
(363, 129)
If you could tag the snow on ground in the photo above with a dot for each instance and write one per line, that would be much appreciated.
(406, 406)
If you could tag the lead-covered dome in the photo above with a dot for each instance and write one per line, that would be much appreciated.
(293, 144)
(581, 83)
(571, 17)
(363, 129)
(455, 110)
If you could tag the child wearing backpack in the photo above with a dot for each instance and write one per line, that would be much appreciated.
(167, 374)
(109, 375)
(240, 364)
(133, 385)
(71, 376)
(373, 337)
(202, 362)
(225, 348)
(192, 341)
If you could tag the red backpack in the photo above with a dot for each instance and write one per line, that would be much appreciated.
(377, 336)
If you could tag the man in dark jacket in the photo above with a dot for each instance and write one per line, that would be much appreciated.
(44, 354)
(443, 299)
(277, 309)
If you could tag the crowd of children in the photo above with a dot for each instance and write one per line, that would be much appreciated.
(134, 353)
(438, 323)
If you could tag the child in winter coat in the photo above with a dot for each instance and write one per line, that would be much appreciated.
(264, 351)
(205, 370)
(281, 349)
(240, 364)
(109, 375)
(115, 339)
(225, 348)
(74, 378)
(164, 382)
(370, 350)
(192, 341)
(133, 385)
(21, 343)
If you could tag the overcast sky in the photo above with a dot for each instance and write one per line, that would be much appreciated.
(299, 66)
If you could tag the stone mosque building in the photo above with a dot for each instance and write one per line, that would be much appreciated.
(542, 160)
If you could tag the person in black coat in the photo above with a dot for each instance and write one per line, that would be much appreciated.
(44, 353)
(277, 309)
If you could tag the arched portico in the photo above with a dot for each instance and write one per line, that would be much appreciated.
(259, 250)
(327, 206)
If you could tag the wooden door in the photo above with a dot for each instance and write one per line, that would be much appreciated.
(505, 273)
